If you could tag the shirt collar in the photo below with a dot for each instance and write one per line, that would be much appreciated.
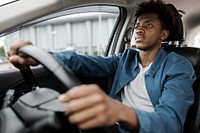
(157, 62)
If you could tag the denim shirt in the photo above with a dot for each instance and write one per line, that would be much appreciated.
(169, 83)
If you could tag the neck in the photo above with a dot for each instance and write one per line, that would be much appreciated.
(147, 57)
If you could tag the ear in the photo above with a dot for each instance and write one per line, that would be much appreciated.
(164, 35)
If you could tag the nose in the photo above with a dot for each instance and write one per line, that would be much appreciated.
(139, 31)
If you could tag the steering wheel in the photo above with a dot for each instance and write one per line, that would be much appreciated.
(39, 111)
(59, 70)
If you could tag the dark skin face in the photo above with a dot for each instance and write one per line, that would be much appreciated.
(148, 36)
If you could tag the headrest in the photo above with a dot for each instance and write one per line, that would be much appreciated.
(177, 35)
(191, 53)
(128, 35)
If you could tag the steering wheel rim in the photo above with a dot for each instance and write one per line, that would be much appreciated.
(62, 72)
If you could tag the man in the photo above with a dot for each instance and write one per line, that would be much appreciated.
(151, 91)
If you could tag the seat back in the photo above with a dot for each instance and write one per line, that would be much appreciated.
(192, 121)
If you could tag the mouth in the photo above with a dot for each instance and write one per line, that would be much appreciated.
(139, 38)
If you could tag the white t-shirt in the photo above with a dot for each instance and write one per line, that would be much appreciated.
(135, 94)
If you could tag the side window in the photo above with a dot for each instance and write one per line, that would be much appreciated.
(85, 30)
(197, 40)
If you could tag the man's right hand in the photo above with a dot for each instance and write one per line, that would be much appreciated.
(20, 60)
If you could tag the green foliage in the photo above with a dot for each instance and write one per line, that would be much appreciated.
(2, 52)
(95, 53)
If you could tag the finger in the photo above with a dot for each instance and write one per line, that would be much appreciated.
(87, 114)
(97, 116)
(21, 62)
(14, 48)
(95, 122)
(78, 92)
(83, 103)
(91, 123)
(15, 59)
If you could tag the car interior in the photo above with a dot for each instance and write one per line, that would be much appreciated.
(20, 86)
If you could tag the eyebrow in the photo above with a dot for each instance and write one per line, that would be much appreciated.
(146, 21)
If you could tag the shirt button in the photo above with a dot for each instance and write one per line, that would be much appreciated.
(120, 84)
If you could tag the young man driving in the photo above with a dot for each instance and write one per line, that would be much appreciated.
(151, 91)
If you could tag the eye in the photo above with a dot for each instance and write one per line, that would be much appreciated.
(149, 25)
(137, 27)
